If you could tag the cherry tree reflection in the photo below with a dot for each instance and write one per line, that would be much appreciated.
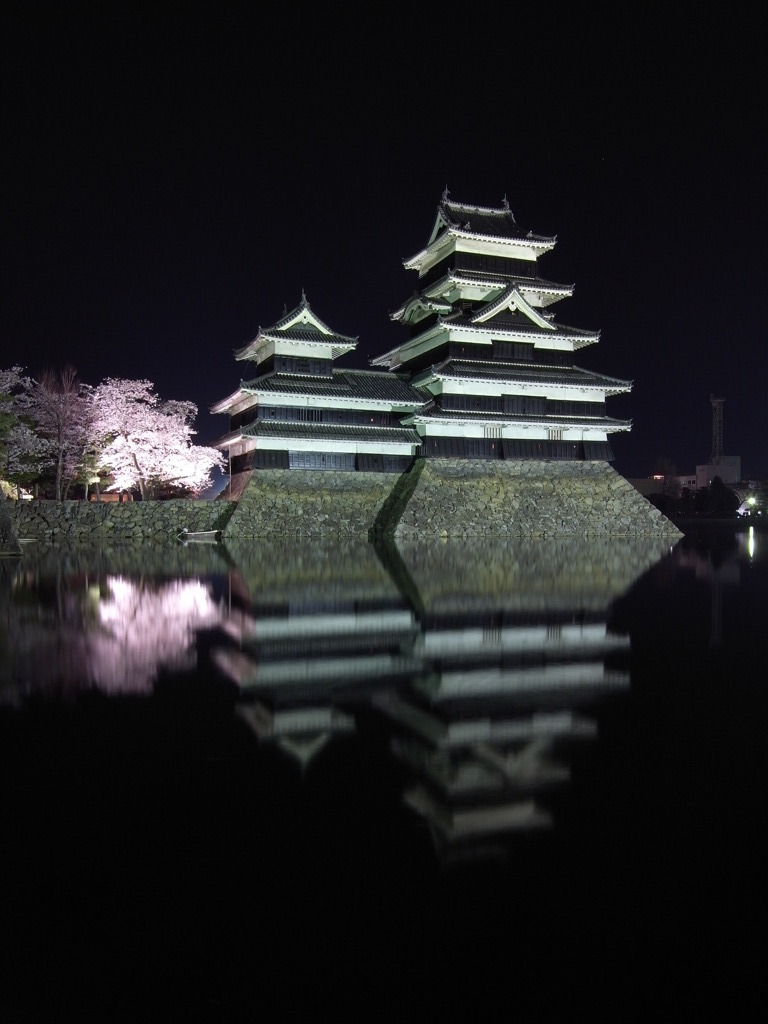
(113, 633)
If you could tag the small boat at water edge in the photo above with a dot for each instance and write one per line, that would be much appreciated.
(201, 537)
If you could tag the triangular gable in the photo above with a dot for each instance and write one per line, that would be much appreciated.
(512, 300)
(440, 225)
(304, 316)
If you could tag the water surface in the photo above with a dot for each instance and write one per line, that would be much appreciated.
(450, 771)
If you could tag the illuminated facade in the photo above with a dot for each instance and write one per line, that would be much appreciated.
(300, 412)
(486, 372)
(496, 369)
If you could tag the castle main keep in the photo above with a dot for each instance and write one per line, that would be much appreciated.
(479, 422)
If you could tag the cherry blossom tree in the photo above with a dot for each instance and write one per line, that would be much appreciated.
(12, 383)
(24, 454)
(146, 442)
(59, 407)
(9, 382)
(27, 456)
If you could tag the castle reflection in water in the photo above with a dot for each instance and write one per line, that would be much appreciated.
(483, 664)
(247, 770)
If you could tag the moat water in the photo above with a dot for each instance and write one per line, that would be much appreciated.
(438, 778)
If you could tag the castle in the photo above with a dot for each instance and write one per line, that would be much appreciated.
(479, 422)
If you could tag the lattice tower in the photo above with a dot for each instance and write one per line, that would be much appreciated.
(717, 428)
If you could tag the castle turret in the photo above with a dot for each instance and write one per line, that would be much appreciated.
(300, 412)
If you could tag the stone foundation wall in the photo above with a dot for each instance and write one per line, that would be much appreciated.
(112, 523)
(437, 498)
(308, 503)
(521, 498)
(9, 545)
(449, 498)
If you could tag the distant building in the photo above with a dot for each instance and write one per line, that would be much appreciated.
(727, 467)
(686, 482)
(674, 484)
(648, 485)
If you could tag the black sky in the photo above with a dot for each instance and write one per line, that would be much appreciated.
(171, 180)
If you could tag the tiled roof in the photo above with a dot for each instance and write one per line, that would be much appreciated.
(492, 281)
(330, 432)
(429, 297)
(353, 384)
(583, 422)
(306, 334)
(483, 220)
(524, 373)
(517, 322)
(301, 325)
(305, 311)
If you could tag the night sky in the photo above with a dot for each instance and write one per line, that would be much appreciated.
(171, 180)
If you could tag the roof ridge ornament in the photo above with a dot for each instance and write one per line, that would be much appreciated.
(445, 194)
(304, 301)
